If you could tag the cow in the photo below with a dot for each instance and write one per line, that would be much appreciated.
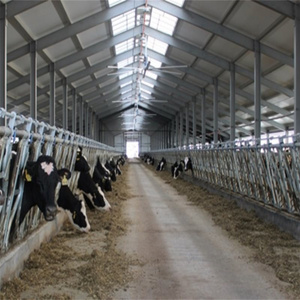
(177, 169)
(188, 164)
(109, 166)
(101, 176)
(161, 165)
(148, 159)
(93, 195)
(184, 165)
(73, 206)
(41, 178)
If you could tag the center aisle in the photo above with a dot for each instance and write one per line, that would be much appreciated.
(184, 255)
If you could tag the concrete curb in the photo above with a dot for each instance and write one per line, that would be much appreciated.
(284, 221)
(12, 263)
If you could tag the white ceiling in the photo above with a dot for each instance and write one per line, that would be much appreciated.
(209, 35)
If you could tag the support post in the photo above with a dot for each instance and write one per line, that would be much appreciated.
(194, 123)
(52, 94)
(297, 70)
(33, 81)
(74, 111)
(187, 126)
(65, 104)
(257, 91)
(3, 59)
(203, 116)
(232, 102)
(216, 110)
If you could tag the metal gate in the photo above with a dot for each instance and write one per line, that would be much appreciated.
(268, 173)
(26, 139)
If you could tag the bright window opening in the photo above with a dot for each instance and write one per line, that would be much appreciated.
(162, 21)
(132, 149)
(123, 22)
(112, 3)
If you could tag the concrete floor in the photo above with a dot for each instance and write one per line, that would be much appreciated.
(185, 256)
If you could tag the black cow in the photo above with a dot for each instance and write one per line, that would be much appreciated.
(184, 165)
(109, 166)
(161, 165)
(101, 176)
(93, 195)
(177, 169)
(188, 164)
(41, 179)
(74, 207)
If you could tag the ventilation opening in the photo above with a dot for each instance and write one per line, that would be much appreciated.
(132, 149)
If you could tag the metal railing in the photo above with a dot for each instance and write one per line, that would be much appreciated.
(268, 173)
(26, 139)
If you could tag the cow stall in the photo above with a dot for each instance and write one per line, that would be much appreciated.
(24, 140)
(265, 174)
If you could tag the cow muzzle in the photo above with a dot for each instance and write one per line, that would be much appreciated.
(50, 213)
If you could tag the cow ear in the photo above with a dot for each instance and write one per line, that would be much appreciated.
(27, 176)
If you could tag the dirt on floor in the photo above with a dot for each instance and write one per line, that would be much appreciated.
(76, 265)
(269, 244)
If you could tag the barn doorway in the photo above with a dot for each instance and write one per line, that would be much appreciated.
(132, 149)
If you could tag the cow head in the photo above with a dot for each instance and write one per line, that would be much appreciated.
(42, 177)
(176, 170)
(88, 186)
(188, 164)
(74, 207)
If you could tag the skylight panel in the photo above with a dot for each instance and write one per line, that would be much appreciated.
(125, 84)
(112, 3)
(126, 74)
(124, 46)
(157, 45)
(148, 84)
(145, 91)
(125, 62)
(162, 21)
(123, 22)
(176, 2)
(151, 75)
(155, 63)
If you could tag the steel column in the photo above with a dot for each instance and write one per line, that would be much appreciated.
(86, 120)
(216, 110)
(74, 111)
(194, 122)
(203, 115)
(81, 108)
(3, 58)
(177, 131)
(297, 70)
(65, 103)
(172, 132)
(33, 81)
(232, 102)
(52, 94)
(181, 129)
(257, 91)
(187, 127)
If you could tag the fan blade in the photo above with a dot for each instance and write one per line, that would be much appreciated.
(167, 72)
(154, 100)
(120, 68)
(169, 67)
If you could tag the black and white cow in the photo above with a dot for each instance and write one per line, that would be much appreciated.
(110, 166)
(161, 165)
(177, 169)
(188, 164)
(101, 176)
(93, 195)
(73, 206)
(184, 165)
(41, 179)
